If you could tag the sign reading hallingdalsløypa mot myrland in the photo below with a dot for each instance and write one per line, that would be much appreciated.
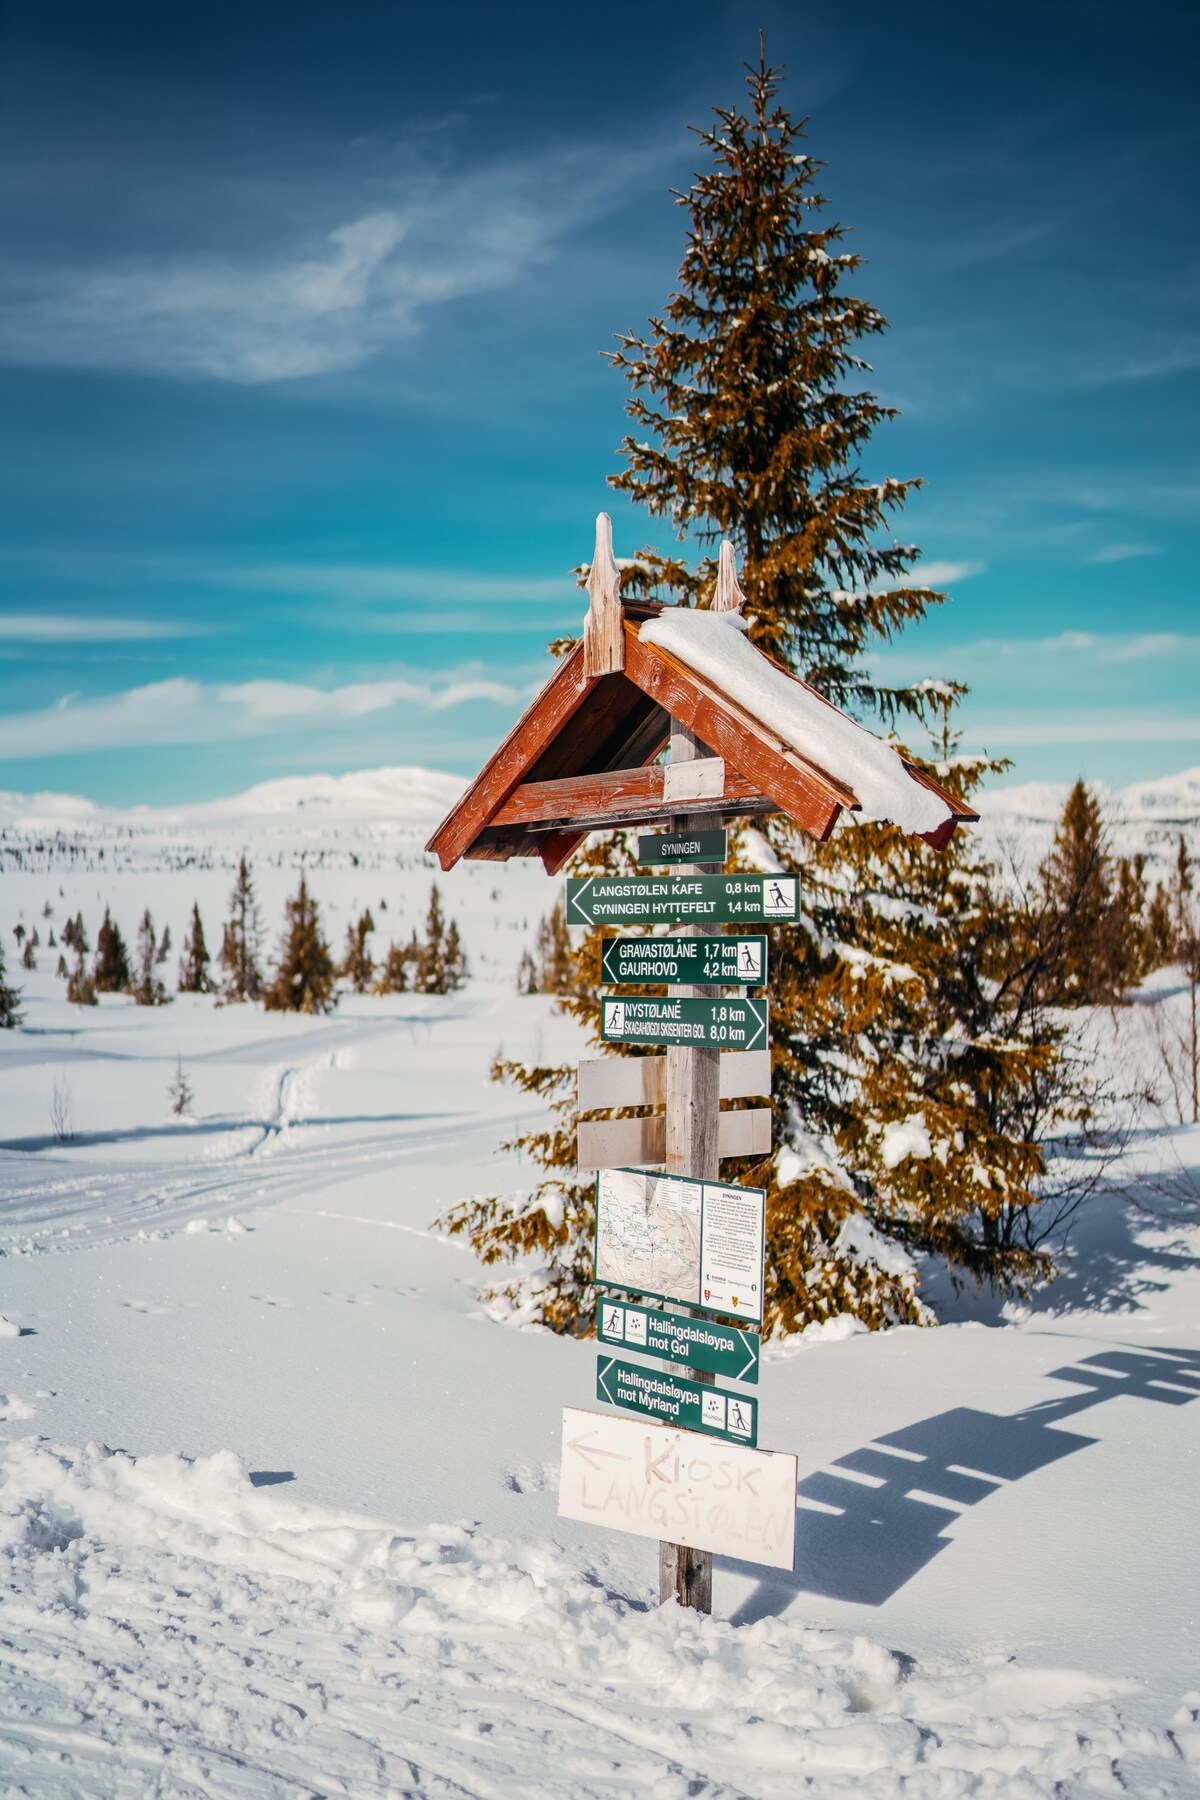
(659, 1482)
(721, 961)
(671, 899)
(670, 1238)
(674, 1337)
(674, 1400)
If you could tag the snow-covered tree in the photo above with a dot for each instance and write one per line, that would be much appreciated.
(147, 987)
(357, 966)
(10, 1010)
(751, 416)
(110, 972)
(241, 941)
(194, 977)
(304, 977)
(179, 1088)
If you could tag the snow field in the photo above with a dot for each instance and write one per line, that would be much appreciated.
(996, 1589)
(171, 1629)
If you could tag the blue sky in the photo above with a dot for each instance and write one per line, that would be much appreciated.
(304, 413)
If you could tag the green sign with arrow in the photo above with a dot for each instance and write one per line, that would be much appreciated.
(696, 1343)
(733, 1024)
(676, 1401)
(674, 899)
(725, 961)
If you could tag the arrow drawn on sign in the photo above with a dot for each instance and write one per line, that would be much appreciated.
(602, 1371)
(585, 916)
(590, 1451)
(758, 1012)
(751, 1345)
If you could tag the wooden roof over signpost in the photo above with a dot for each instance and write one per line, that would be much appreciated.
(584, 755)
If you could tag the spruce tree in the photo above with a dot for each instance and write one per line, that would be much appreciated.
(194, 977)
(393, 976)
(29, 954)
(1079, 929)
(147, 988)
(750, 416)
(241, 941)
(110, 972)
(179, 1088)
(431, 961)
(304, 977)
(357, 966)
(455, 965)
(10, 1010)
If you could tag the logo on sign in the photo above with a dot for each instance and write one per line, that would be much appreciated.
(749, 963)
(779, 896)
(614, 1017)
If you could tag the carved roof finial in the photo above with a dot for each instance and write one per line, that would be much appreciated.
(727, 595)
(604, 627)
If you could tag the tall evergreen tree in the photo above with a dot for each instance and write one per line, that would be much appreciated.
(147, 987)
(10, 1010)
(357, 966)
(394, 976)
(111, 973)
(241, 941)
(1079, 931)
(194, 977)
(750, 417)
(304, 978)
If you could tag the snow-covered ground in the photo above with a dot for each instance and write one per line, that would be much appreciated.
(278, 1503)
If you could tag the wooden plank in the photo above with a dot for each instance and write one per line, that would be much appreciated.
(618, 794)
(630, 1143)
(537, 727)
(642, 1080)
(808, 795)
(634, 1475)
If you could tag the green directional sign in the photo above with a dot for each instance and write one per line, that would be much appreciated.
(697, 1343)
(677, 1401)
(683, 847)
(721, 960)
(682, 899)
(702, 1024)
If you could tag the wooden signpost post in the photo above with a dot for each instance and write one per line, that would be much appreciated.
(677, 1460)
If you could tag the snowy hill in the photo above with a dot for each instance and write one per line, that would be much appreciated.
(277, 1497)
(1146, 816)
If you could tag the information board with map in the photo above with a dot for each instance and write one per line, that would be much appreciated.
(669, 1238)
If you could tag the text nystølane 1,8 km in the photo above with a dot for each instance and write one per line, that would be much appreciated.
(669, 899)
(723, 961)
(676, 1401)
(706, 1024)
(695, 1343)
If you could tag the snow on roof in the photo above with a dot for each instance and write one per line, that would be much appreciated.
(715, 646)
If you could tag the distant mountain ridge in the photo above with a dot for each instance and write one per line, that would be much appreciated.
(407, 802)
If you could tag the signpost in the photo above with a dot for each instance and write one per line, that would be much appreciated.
(683, 847)
(729, 961)
(698, 1343)
(660, 1482)
(670, 899)
(676, 1401)
(717, 1024)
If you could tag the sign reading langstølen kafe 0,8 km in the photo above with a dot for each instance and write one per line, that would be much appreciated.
(669, 899)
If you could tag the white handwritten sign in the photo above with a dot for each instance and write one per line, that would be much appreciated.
(659, 1482)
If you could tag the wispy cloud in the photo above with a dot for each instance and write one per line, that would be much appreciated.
(394, 582)
(179, 711)
(1118, 553)
(78, 628)
(1105, 728)
(943, 574)
(1069, 647)
(326, 297)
